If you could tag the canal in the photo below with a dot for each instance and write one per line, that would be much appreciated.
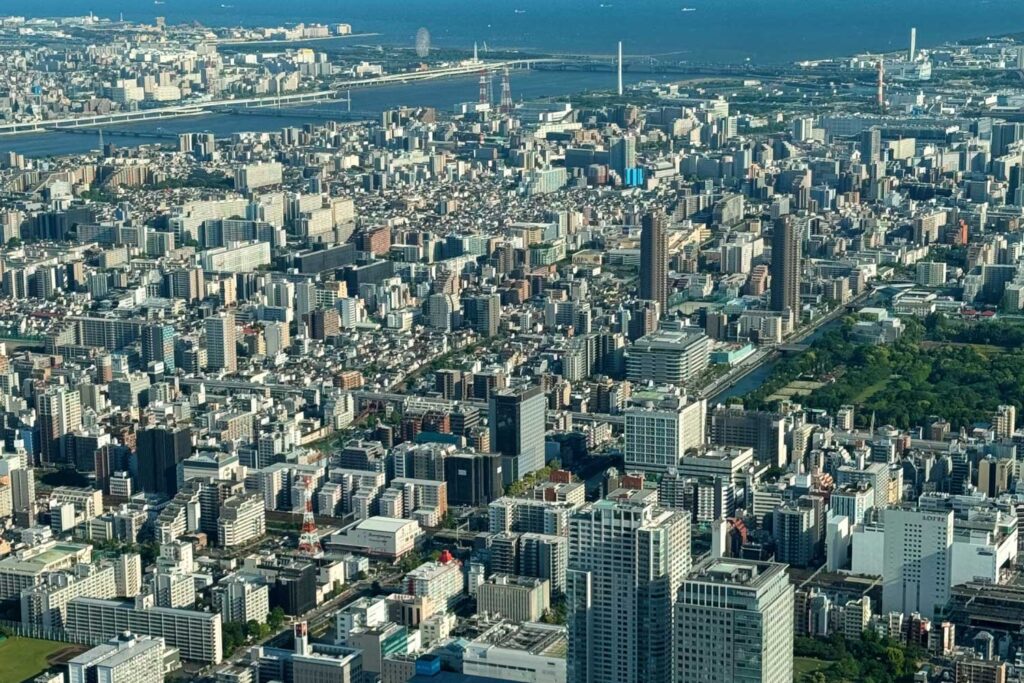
(754, 379)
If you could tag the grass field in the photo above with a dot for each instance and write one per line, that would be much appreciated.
(983, 349)
(806, 665)
(870, 390)
(23, 658)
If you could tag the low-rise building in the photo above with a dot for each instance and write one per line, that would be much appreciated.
(382, 537)
(517, 598)
(441, 581)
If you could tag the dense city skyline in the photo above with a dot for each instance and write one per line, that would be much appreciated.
(326, 356)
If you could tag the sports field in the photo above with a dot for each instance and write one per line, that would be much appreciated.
(24, 658)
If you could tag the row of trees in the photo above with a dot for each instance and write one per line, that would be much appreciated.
(1008, 334)
(413, 560)
(521, 486)
(148, 550)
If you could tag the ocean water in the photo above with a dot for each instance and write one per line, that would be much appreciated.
(762, 31)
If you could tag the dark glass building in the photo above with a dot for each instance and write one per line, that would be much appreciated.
(158, 452)
(473, 478)
(517, 421)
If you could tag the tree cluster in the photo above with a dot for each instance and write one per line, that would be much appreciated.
(906, 382)
(1008, 334)
(521, 486)
(868, 660)
(235, 634)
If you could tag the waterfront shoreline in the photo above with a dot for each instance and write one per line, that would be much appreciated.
(368, 103)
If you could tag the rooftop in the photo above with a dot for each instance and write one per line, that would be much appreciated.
(387, 525)
(669, 339)
(735, 572)
(129, 605)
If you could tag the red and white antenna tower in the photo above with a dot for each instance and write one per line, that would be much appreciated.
(506, 93)
(485, 96)
(309, 540)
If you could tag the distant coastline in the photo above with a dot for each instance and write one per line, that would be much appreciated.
(720, 31)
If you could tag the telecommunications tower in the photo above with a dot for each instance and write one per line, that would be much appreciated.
(309, 540)
(506, 93)
(485, 88)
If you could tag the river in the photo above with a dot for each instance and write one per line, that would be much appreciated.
(754, 379)
(442, 94)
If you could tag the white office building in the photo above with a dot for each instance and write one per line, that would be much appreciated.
(661, 426)
(173, 588)
(45, 605)
(443, 581)
(254, 176)
(931, 273)
(242, 600)
(242, 519)
(668, 357)
(916, 566)
(236, 258)
(853, 501)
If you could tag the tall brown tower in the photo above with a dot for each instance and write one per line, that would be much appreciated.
(653, 260)
(785, 288)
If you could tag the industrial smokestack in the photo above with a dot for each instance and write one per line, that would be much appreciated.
(620, 67)
(913, 44)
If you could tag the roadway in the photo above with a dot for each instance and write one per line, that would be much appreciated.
(319, 618)
(169, 112)
(446, 72)
(240, 385)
